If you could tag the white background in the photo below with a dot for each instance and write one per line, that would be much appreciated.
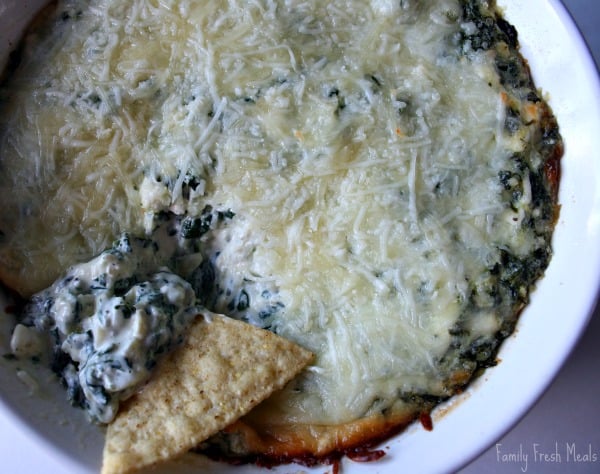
(569, 412)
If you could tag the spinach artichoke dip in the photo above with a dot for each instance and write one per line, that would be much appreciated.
(375, 181)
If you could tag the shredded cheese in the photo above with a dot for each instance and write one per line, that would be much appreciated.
(364, 180)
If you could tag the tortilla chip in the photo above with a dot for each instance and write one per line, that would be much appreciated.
(224, 369)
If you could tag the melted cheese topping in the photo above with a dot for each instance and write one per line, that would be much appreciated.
(357, 142)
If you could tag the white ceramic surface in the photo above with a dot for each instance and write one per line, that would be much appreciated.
(47, 436)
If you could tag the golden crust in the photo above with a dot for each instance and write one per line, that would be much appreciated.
(266, 442)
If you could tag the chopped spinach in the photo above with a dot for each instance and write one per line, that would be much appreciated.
(243, 301)
(122, 286)
(489, 29)
(512, 121)
(195, 227)
(203, 280)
